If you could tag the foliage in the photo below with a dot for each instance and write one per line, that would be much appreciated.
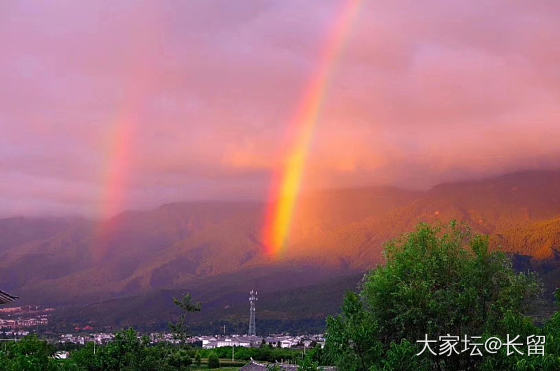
(213, 361)
(126, 352)
(29, 353)
(352, 336)
(315, 356)
(402, 357)
(179, 359)
(180, 328)
(308, 364)
(437, 281)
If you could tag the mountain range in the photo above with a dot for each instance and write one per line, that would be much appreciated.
(124, 270)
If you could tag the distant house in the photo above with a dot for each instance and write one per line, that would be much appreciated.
(6, 298)
(231, 341)
(61, 355)
(287, 343)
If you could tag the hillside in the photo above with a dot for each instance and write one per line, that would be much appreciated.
(73, 262)
(301, 305)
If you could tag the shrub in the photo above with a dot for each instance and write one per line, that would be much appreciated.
(213, 361)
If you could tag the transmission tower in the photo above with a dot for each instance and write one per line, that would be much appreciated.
(252, 299)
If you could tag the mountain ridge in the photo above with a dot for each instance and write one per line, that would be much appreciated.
(76, 261)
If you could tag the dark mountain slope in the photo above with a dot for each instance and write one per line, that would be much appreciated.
(306, 298)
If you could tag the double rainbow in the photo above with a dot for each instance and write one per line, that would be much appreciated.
(287, 181)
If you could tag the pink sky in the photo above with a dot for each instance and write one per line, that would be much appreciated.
(202, 92)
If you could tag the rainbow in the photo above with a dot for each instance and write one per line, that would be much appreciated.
(115, 181)
(119, 156)
(118, 163)
(287, 180)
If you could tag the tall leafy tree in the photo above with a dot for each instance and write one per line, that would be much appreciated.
(436, 281)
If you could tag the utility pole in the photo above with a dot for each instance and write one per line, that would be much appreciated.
(252, 299)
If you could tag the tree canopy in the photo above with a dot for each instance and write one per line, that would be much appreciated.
(437, 280)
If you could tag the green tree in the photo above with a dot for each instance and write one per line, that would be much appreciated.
(126, 352)
(436, 281)
(180, 328)
(402, 357)
(352, 336)
(180, 359)
(308, 364)
(213, 361)
(30, 353)
(520, 325)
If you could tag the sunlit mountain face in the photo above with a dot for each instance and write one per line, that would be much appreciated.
(153, 146)
(337, 231)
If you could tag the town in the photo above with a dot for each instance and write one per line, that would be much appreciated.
(24, 317)
(206, 341)
(20, 321)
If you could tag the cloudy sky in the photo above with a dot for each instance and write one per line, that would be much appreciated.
(106, 105)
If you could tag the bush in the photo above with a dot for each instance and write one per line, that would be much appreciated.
(213, 361)
(180, 359)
